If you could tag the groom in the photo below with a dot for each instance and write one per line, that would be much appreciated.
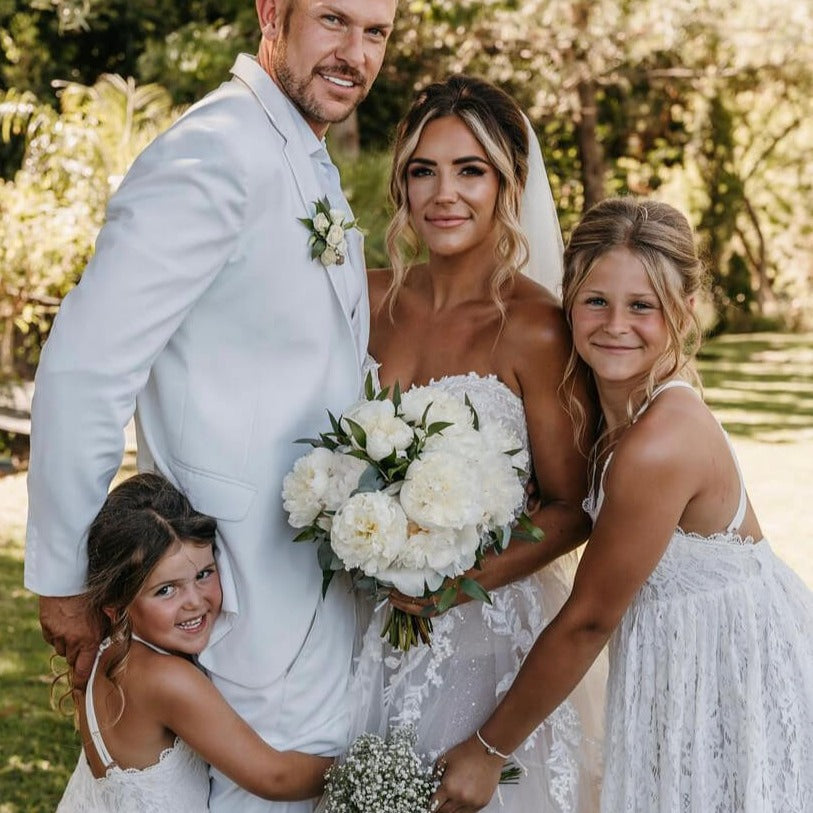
(203, 311)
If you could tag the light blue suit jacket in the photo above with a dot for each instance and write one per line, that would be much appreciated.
(203, 309)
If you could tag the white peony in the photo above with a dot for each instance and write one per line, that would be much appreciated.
(431, 556)
(328, 257)
(500, 438)
(304, 487)
(440, 491)
(369, 532)
(444, 407)
(345, 472)
(502, 494)
(385, 432)
(321, 224)
(335, 236)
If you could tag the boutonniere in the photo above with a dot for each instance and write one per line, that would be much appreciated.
(327, 227)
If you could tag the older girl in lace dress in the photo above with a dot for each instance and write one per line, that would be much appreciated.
(468, 321)
(710, 695)
(150, 720)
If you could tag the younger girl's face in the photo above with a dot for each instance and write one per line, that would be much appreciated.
(180, 599)
(452, 189)
(618, 322)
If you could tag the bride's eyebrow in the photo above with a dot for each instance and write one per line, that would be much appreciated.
(466, 159)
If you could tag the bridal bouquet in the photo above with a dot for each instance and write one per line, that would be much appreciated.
(409, 490)
(386, 776)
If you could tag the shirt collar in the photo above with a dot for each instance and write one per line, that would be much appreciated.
(313, 145)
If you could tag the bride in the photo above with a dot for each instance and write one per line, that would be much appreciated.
(469, 321)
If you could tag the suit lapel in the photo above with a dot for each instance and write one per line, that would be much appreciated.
(310, 189)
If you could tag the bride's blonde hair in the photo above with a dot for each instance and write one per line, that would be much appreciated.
(662, 239)
(497, 123)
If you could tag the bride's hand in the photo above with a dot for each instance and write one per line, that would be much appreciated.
(469, 776)
(415, 605)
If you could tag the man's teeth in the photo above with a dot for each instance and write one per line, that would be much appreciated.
(343, 83)
(193, 624)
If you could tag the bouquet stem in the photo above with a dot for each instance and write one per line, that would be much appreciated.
(403, 630)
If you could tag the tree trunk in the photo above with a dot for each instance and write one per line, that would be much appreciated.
(591, 153)
(765, 296)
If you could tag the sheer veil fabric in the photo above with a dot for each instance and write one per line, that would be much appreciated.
(540, 222)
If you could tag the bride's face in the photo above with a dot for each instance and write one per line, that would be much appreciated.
(452, 189)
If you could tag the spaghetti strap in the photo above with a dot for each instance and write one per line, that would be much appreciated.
(90, 713)
(742, 507)
(667, 385)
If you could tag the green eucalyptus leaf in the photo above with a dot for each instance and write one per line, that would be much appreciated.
(473, 589)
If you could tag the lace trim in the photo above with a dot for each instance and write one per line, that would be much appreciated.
(719, 538)
(165, 754)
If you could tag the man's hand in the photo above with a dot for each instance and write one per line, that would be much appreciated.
(68, 627)
(469, 777)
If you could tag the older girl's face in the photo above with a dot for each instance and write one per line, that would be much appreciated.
(452, 190)
(618, 323)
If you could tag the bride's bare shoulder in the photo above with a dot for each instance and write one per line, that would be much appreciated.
(378, 283)
(534, 314)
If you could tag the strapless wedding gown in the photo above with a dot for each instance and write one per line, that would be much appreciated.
(449, 689)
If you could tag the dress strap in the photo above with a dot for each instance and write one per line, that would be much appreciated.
(739, 516)
(153, 647)
(90, 712)
(667, 385)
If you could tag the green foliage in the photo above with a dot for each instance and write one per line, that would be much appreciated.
(54, 206)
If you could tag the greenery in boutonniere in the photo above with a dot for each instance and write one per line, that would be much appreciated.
(327, 239)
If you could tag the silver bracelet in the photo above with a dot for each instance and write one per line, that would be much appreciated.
(490, 749)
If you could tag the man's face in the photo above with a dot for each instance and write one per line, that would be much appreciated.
(327, 53)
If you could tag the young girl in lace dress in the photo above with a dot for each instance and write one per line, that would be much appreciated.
(710, 694)
(150, 720)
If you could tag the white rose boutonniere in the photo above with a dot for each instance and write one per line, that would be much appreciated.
(327, 240)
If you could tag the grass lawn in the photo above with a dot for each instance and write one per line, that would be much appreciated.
(761, 386)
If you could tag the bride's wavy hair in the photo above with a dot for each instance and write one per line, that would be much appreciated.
(662, 239)
(496, 121)
(143, 518)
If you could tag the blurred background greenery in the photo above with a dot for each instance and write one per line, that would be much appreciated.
(705, 103)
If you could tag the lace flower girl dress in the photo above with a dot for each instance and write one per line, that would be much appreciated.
(179, 781)
(447, 690)
(710, 692)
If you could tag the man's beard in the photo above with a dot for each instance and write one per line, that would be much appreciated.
(296, 89)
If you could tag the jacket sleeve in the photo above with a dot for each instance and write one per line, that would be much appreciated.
(173, 225)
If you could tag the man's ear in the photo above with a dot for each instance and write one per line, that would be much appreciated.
(268, 14)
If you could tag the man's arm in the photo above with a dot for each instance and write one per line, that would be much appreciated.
(170, 229)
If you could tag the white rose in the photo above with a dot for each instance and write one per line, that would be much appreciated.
(344, 480)
(385, 432)
(440, 491)
(321, 224)
(329, 257)
(369, 531)
(335, 236)
(304, 487)
(337, 216)
(444, 407)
